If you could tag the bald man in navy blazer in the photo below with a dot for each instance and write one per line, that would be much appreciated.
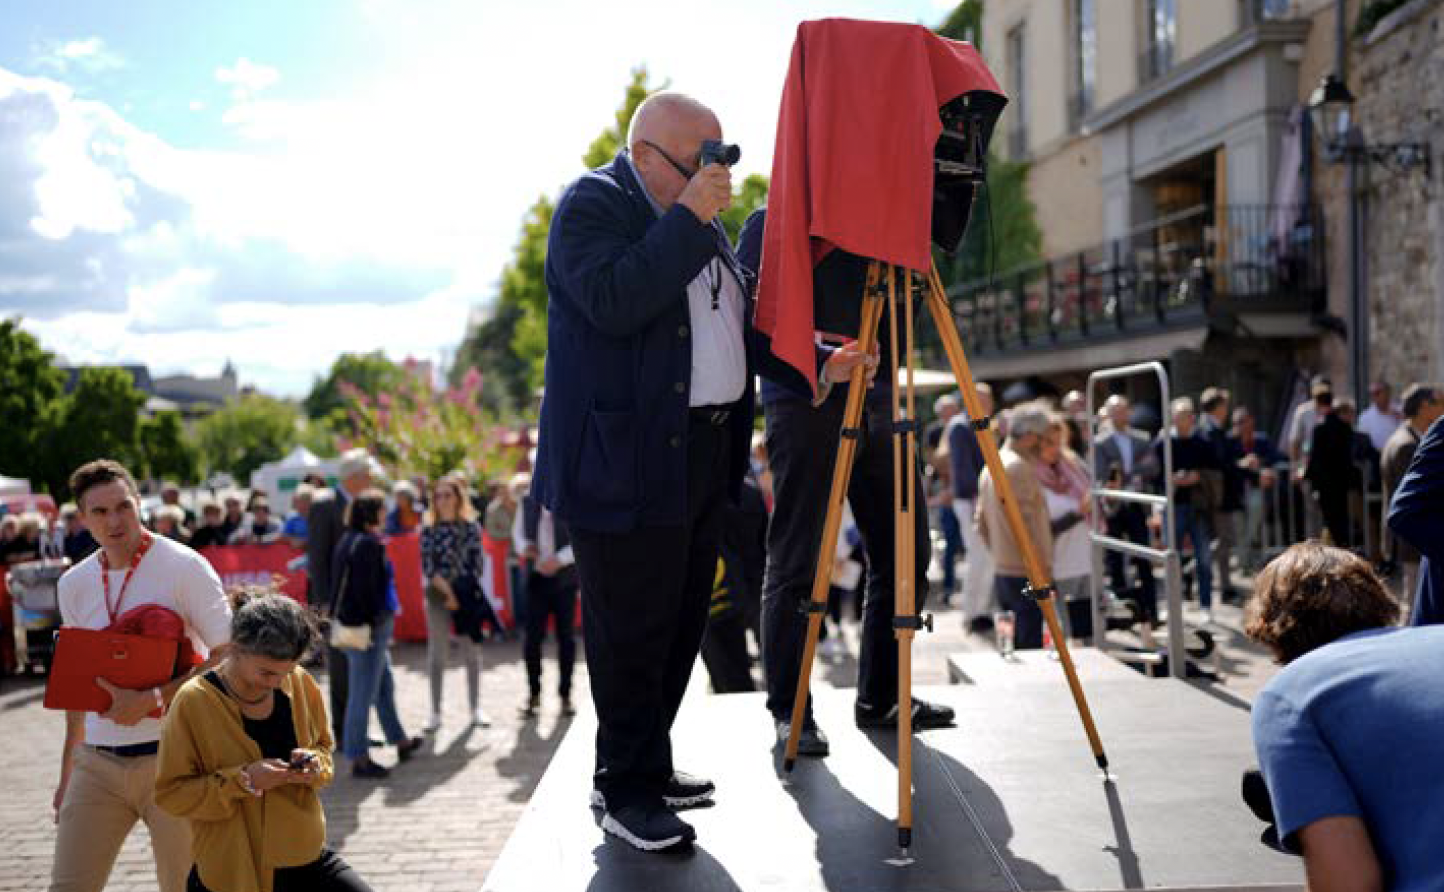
(645, 427)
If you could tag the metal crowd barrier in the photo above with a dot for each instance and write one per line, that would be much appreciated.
(1168, 556)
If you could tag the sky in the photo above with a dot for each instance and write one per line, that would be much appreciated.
(276, 183)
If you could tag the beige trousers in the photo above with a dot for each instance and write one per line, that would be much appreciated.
(105, 797)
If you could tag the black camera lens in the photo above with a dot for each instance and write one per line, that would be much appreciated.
(715, 151)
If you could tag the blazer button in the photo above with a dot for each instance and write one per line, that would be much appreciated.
(683, 331)
(676, 441)
(680, 387)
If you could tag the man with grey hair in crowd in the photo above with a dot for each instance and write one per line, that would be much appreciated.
(1028, 424)
(325, 525)
(1423, 404)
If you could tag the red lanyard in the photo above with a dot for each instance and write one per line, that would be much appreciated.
(140, 551)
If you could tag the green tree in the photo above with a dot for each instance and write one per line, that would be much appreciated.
(1003, 233)
(99, 419)
(610, 141)
(751, 194)
(372, 372)
(246, 433)
(30, 384)
(490, 347)
(169, 453)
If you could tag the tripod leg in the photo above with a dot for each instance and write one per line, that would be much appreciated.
(841, 475)
(1037, 579)
(905, 508)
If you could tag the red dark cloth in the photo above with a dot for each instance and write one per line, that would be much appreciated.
(154, 621)
(853, 164)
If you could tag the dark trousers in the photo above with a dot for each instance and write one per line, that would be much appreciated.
(339, 675)
(724, 653)
(1027, 615)
(952, 545)
(802, 450)
(643, 614)
(1334, 504)
(550, 597)
(1131, 524)
(327, 873)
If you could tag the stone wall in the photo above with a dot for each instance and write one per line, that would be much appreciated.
(1398, 79)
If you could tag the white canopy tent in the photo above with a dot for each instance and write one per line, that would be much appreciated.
(14, 486)
(279, 479)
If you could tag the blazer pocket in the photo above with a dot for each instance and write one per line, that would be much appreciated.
(607, 457)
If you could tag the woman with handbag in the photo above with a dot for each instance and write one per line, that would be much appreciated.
(452, 564)
(364, 613)
(244, 749)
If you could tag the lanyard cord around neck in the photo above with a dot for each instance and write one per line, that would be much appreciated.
(140, 551)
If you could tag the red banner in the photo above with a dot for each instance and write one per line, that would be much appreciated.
(253, 564)
(499, 551)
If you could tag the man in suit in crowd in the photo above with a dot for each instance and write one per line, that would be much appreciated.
(802, 441)
(645, 429)
(326, 524)
(1213, 426)
(1417, 516)
(1423, 404)
(1330, 469)
(1124, 458)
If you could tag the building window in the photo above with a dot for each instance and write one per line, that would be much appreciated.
(1085, 62)
(1018, 93)
(1162, 28)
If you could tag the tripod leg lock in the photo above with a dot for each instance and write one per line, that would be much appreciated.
(852, 433)
(906, 426)
(809, 607)
(981, 424)
(1039, 594)
(916, 623)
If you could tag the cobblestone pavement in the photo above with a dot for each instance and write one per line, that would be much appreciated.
(441, 820)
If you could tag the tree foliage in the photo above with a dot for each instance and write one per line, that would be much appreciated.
(99, 419)
(965, 22)
(372, 372)
(29, 383)
(168, 451)
(246, 433)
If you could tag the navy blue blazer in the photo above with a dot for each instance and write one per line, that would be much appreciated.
(1416, 515)
(612, 450)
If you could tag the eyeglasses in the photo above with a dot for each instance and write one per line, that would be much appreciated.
(686, 174)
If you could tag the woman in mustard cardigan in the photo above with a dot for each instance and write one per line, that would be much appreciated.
(244, 749)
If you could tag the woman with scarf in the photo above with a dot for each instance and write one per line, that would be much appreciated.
(1064, 480)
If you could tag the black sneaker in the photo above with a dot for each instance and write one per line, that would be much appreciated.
(811, 742)
(649, 828)
(406, 748)
(683, 791)
(925, 716)
(531, 707)
(369, 770)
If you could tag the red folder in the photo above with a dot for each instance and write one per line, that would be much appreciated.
(126, 661)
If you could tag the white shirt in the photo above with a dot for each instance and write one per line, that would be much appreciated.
(719, 353)
(1072, 552)
(1380, 426)
(1125, 451)
(171, 576)
(546, 535)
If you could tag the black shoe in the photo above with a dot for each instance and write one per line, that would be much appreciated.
(568, 709)
(405, 748)
(980, 625)
(531, 707)
(649, 828)
(925, 716)
(811, 742)
(369, 770)
(683, 791)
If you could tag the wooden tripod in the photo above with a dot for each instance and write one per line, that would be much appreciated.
(906, 622)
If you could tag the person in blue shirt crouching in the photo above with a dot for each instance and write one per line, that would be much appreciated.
(1350, 734)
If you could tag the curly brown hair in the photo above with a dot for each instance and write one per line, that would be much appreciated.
(1313, 594)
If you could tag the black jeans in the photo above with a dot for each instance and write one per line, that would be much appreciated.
(338, 673)
(802, 450)
(1131, 524)
(327, 873)
(550, 597)
(1027, 615)
(644, 609)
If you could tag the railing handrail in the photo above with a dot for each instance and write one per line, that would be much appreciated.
(981, 283)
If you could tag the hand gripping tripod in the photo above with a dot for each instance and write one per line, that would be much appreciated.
(882, 289)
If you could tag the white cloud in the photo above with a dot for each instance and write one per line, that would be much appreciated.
(247, 78)
(90, 55)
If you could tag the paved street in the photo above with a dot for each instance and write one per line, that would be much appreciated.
(439, 822)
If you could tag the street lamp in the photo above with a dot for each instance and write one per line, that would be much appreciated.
(1331, 112)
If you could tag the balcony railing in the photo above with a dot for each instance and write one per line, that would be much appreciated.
(1178, 269)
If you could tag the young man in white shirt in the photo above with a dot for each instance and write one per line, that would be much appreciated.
(107, 766)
